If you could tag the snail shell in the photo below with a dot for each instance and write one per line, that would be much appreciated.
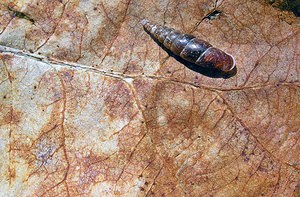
(190, 48)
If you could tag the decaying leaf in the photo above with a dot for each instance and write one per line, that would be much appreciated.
(90, 105)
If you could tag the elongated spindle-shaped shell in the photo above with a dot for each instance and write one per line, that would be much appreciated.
(190, 48)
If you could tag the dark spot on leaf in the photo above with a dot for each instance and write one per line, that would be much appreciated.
(19, 14)
(218, 101)
(212, 15)
(289, 5)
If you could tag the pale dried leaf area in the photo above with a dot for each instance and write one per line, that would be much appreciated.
(90, 105)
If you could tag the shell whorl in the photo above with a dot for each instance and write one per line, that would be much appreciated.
(190, 48)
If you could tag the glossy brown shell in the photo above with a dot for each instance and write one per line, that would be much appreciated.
(190, 48)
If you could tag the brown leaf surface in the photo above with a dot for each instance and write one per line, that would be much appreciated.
(91, 105)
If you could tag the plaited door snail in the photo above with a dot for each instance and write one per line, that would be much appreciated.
(191, 49)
